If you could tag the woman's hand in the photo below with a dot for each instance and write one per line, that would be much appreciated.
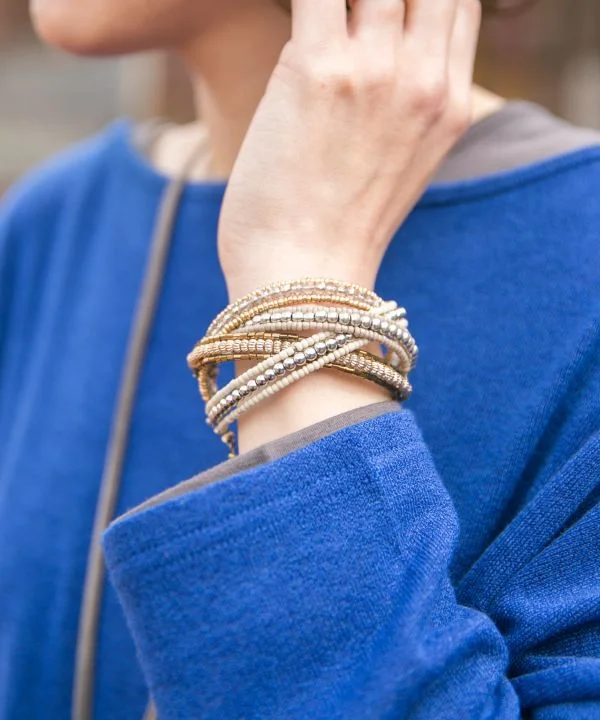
(356, 118)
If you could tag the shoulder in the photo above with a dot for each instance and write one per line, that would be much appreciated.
(527, 166)
(46, 192)
(522, 138)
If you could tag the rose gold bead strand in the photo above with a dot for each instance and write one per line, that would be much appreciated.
(261, 368)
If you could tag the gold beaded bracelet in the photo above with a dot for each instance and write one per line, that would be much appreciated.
(294, 329)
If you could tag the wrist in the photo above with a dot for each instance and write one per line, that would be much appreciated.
(297, 407)
(267, 329)
(291, 268)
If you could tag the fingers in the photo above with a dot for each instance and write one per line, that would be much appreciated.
(431, 23)
(318, 23)
(378, 22)
(463, 49)
(456, 116)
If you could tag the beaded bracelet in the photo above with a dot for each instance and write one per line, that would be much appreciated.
(294, 329)
(282, 294)
(258, 348)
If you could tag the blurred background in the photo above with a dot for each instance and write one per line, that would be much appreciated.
(549, 54)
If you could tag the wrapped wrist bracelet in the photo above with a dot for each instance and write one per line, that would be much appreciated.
(294, 329)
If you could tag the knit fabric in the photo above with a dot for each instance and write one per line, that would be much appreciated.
(436, 562)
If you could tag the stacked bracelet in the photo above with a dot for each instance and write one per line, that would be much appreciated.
(294, 329)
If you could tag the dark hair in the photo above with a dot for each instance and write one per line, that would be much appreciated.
(505, 7)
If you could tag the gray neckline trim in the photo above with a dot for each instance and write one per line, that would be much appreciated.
(520, 133)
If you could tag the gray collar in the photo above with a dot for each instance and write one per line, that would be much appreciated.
(519, 134)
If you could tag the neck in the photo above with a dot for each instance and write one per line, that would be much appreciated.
(230, 65)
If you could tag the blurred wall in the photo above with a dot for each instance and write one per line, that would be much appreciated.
(550, 54)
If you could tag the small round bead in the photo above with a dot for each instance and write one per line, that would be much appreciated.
(321, 348)
(243, 390)
(298, 316)
(355, 319)
(252, 385)
(345, 318)
(289, 363)
(299, 358)
(229, 399)
(332, 316)
(276, 317)
(309, 317)
(310, 354)
(269, 375)
(260, 380)
(384, 326)
(376, 324)
(278, 368)
(393, 331)
(366, 321)
(341, 340)
(331, 344)
(236, 395)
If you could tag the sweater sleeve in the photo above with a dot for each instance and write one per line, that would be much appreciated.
(4, 279)
(5, 303)
(318, 586)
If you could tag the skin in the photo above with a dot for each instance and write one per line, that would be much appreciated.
(230, 49)
(380, 99)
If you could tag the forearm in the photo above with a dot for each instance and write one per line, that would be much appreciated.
(319, 396)
(316, 398)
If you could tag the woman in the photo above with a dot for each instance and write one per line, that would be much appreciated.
(359, 559)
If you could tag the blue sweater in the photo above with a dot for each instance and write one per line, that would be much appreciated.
(439, 562)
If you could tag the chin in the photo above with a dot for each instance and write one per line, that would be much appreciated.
(59, 25)
(93, 28)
